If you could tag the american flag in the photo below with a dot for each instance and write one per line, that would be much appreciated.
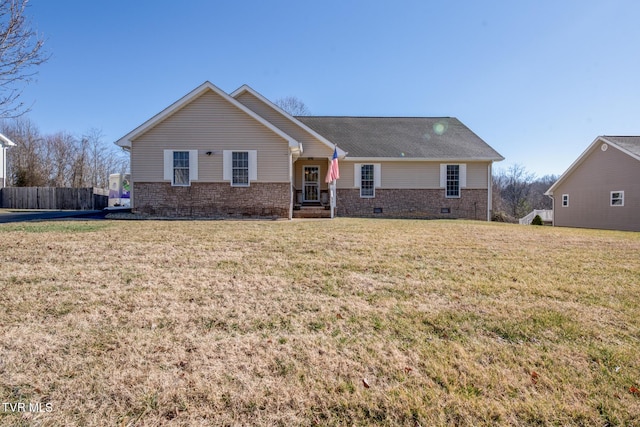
(333, 173)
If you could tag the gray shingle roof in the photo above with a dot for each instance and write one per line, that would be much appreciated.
(630, 143)
(402, 137)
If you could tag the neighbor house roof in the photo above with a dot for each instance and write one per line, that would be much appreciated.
(6, 142)
(428, 138)
(629, 145)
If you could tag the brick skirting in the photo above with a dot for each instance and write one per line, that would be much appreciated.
(413, 203)
(214, 199)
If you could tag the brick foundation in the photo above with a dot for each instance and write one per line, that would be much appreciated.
(413, 203)
(214, 199)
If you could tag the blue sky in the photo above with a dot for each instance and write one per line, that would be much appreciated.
(536, 79)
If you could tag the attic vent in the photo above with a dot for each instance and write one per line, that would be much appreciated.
(604, 147)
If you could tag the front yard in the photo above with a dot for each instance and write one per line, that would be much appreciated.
(336, 322)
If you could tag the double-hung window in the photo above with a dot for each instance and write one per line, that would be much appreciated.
(453, 181)
(367, 181)
(453, 177)
(617, 198)
(565, 200)
(240, 168)
(181, 168)
(367, 177)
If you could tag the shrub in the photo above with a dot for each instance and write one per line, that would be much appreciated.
(500, 216)
(536, 220)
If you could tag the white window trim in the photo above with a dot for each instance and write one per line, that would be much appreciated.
(462, 178)
(168, 167)
(241, 184)
(562, 200)
(377, 178)
(621, 192)
(187, 168)
(227, 166)
(373, 194)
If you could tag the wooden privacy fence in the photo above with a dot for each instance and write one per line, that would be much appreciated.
(54, 198)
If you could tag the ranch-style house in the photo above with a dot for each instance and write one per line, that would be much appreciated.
(213, 154)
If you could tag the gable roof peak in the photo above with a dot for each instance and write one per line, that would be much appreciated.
(246, 88)
(125, 141)
(629, 145)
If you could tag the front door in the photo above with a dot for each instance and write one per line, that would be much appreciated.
(311, 183)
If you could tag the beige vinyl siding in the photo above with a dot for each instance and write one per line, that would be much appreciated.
(477, 175)
(210, 123)
(346, 174)
(416, 175)
(311, 145)
(410, 174)
(589, 187)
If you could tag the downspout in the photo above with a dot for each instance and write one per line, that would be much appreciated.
(290, 184)
(489, 191)
(131, 181)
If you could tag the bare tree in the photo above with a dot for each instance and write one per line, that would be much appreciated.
(60, 159)
(538, 187)
(103, 159)
(513, 187)
(24, 161)
(81, 166)
(86, 161)
(515, 192)
(20, 52)
(293, 106)
(497, 204)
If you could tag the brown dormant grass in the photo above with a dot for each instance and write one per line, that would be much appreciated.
(342, 322)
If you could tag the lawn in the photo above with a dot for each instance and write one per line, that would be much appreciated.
(335, 322)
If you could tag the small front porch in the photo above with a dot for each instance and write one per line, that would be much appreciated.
(311, 209)
(311, 193)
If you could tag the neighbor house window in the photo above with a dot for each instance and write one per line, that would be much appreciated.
(617, 198)
(453, 180)
(367, 181)
(240, 168)
(565, 200)
(181, 168)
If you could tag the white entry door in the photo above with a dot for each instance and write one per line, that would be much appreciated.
(311, 183)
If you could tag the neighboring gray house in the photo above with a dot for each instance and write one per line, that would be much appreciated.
(601, 189)
(217, 154)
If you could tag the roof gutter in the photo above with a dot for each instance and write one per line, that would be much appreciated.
(422, 159)
(6, 141)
